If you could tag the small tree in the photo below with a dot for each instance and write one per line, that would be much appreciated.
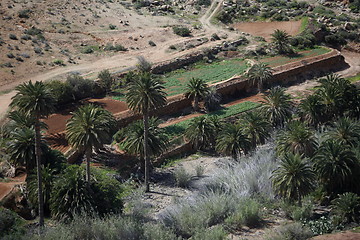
(105, 80)
(196, 89)
(293, 178)
(281, 39)
(88, 129)
(233, 141)
(143, 65)
(259, 74)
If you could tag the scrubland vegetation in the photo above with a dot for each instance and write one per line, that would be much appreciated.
(279, 160)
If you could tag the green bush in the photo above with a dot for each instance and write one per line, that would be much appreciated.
(62, 91)
(112, 27)
(71, 194)
(10, 224)
(182, 177)
(181, 31)
(81, 88)
(247, 213)
(13, 36)
(105, 80)
(24, 13)
(115, 48)
(156, 231)
(215, 233)
(90, 49)
(320, 226)
(347, 207)
(290, 232)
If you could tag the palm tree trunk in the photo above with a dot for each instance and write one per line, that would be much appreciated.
(260, 86)
(38, 168)
(196, 103)
(146, 151)
(88, 156)
(299, 198)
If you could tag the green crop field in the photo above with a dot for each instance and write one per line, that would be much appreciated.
(281, 60)
(175, 81)
(178, 129)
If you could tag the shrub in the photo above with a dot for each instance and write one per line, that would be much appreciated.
(290, 232)
(112, 27)
(11, 223)
(347, 207)
(143, 65)
(71, 194)
(61, 91)
(38, 50)
(81, 88)
(194, 215)
(215, 233)
(33, 31)
(203, 2)
(320, 226)
(151, 43)
(181, 31)
(26, 37)
(302, 213)
(156, 231)
(105, 80)
(115, 48)
(24, 13)
(199, 170)
(13, 36)
(59, 62)
(90, 49)
(182, 177)
(247, 213)
(10, 55)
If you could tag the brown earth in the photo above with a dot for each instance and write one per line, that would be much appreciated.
(348, 235)
(6, 187)
(265, 29)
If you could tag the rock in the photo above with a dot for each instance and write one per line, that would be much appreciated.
(348, 26)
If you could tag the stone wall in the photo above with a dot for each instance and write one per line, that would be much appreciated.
(285, 74)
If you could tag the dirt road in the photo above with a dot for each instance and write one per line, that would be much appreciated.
(124, 60)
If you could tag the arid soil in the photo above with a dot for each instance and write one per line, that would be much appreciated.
(265, 29)
(348, 235)
(6, 187)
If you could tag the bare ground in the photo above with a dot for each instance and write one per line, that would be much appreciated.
(265, 29)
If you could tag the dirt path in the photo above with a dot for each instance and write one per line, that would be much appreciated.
(6, 187)
(122, 61)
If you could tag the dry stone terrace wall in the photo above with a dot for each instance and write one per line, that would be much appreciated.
(285, 74)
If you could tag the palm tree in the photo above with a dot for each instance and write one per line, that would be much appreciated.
(212, 99)
(35, 100)
(132, 138)
(21, 147)
(297, 139)
(201, 132)
(259, 74)
(281, 39)
(294, 178)
(145, 94)
(196, 89)
(256, 127)
(312, 110)
(335, 165)
(277, 106)
(233, 141)
(345, 131)
(88, 129)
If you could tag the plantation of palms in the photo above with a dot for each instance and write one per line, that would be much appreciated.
(314, 159)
